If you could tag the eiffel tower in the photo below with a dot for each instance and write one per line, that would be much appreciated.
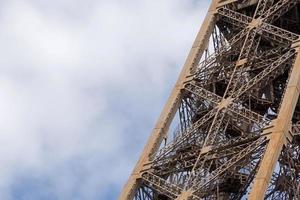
(231, 126)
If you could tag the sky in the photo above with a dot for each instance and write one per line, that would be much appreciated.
(82, 83)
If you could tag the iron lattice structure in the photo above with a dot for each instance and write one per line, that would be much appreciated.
(237, 109)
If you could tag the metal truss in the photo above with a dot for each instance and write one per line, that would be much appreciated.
(236, 113)
(285, 183)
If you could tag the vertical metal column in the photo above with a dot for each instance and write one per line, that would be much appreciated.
(280, 131)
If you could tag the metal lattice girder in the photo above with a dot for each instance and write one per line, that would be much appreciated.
(285, 181)
(277, 10)
(224, 150)
(200, 184)
(272, 70)
(231, 148)
(262, 6)
(248, 45)
(248, 115)
(237, 73)
(270, 54)
(233, 107)
(206, 65)
(218, 147)
(188, 157)
(235, 111)
(266, 30)
(255, 64)
(189, 133)
(216, 128)
(235, 17)
(161, 185)
(203, 93)
(278, 34)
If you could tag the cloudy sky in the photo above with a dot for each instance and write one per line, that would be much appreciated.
(81, 85)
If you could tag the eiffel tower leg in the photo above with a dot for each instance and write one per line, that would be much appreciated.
(280, 133)
(160, 131)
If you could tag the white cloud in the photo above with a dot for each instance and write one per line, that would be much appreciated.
(81, 83)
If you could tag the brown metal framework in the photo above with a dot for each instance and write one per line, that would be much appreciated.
(237, 109)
